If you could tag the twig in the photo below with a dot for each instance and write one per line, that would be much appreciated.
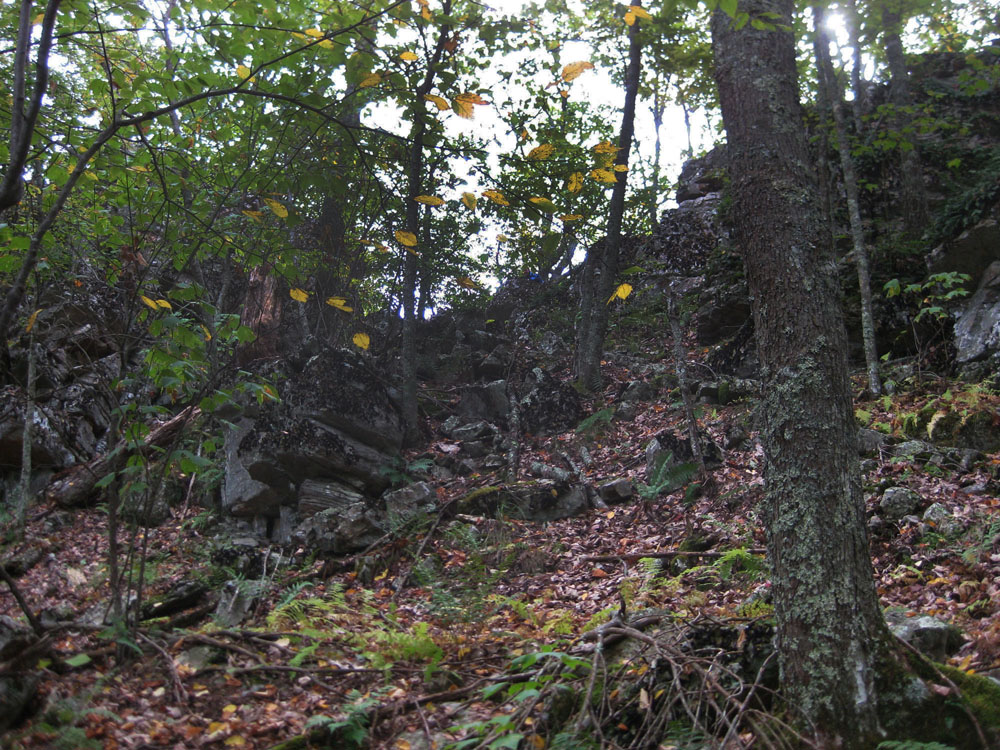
(635, 556)
(36, 625)
(180, 694)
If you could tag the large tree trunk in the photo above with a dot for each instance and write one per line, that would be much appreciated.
(830, 630)
(602, 258)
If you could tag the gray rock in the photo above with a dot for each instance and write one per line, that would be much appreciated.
(935, 639)
(918, 450)
(878, 528)
(410, 500)
(977, 331)
(340, 531)
(638, 390)
(485, 402)
(473, 431)
(680, 451)
(615, 491)
(871, 441)
(198, 657)
(317, 495)
(972, 252)
(941, 520)
(551, 343)
(897, 502)
(236, 599)
(550, 405)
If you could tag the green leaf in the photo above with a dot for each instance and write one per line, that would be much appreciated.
(78, 660)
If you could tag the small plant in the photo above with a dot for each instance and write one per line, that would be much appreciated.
(912, 745)
(351, 731)
(398, 472)
(666, 476)
(594, 426)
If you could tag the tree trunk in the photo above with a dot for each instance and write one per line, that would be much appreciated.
(602, 259)
(853, 21)
(414, 173)
(828, 83)
(830, 630)
(913, 204)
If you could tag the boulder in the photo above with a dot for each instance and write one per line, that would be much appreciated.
(679, 449)
(702, 176)
(616, 491)
(637, 390)
(977, 330)
(485, 402)
(325, 444)
(972, 252)
(411, 500)
(934, 639)
(941, 520)
(550, 405)
(340, 531)
(897, 502)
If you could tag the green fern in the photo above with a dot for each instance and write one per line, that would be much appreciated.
(666, 476)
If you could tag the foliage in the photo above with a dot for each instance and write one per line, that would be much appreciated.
(666, 476)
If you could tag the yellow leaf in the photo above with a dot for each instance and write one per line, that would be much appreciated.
(429, 200)
(575, 182)
(361, 340)
(299, 295)
(31, 320)
(542, 152)
(327, 44)
(243, 71)
(217, 726)
(640, 12)
(409, 56)
(254, 215)
(497, 197)
(314, 33)
(574, 70)
(164, 304)
(409, 239)
(372, 79)
(235, 741)
(623, 291)
(502, 238)
(440, 101)
(297, 35)
(148, 302)
(467, 283)
(604, 175)
(139, 168)
(605, 147)
(621, 167)
(279, 210)
(538, 742)
(38, 19)
(402, 745)
(208, 334)
(230, 709)
(469, 200)
(464, 104)
(340, 303)
(629, 18)
(571, 217)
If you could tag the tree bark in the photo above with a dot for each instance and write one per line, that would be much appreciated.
(834, 95)
(602, 258)
(913, 203)
(831, 636)
(414, 173)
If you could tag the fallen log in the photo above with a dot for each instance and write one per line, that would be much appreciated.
(75, 485)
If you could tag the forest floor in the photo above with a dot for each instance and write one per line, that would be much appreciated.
(454, 654)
